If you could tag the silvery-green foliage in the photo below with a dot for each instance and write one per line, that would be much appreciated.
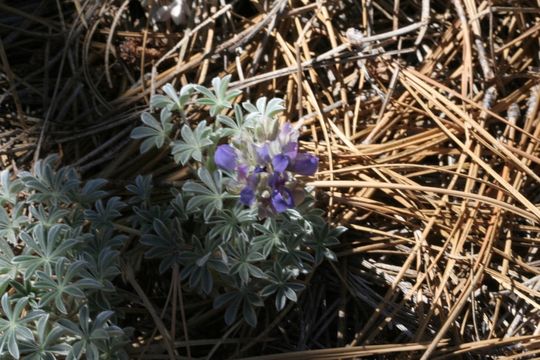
(90, 192)
(323, 237)
(47, 343)
(11, 225)
(15, 324)
(165, 242)
(172, 100)
(243, 257)
(63, 262)
(245, 230)
(205, 258)
(104, 215)
(262, 115)
(192, 144)
(141, 190)
(9, 189)
(63, 284)
(230, 222)
(91, 334)
(100, 268)
(221, 98)
(8, 271)
(207, 196)
(49, 186)
(233, 126)
(44, 248)
(155, 133)
(281, 286)
(242, 298)
(144, 216)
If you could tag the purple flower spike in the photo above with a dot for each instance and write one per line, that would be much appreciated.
(225, 157)
(247, 196)
(305, 164)
(280, 202)
(280, 163)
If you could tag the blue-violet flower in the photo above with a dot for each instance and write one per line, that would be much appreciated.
(263, 164)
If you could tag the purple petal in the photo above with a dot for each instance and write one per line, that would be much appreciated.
(280, 163)
(305, 164)
(276, 181)
(281, 201)
(263, 154)
(252, 181)
(225, 157)
(247, 195)
(288, 134)
(242, 171)
(290, 149)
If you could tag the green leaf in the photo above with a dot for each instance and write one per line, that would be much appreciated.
(15, 327)
(154, 133)
(246, 297)
(166, 244)
(9, 189)
(221, 98)
(209, 195)
(193, 143)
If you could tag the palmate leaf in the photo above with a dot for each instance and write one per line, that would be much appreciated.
(10, 226)
(154, 133)
(238, 123)
(281, 286)
(193, 143)
(8, 272)
(178, 205)
(263, 115)
(103, 239)
(44, 248)
(166, 244)
(271, 237)
(202, 262)
(296, 256)
(48, 342)
(263, 109)
(141, 190)
(144, 218)
(323, 237)
(92, 336)
(229, 222)
(209, 195)
(48, 217)
(245, 298)
(100, 269)
(243, 257)
(91, 192)
(49, 185)
(233, 127)
(172, 101)
(14, 325)
(221, 98)
(104, 215)
(63, 285)
(9, 189)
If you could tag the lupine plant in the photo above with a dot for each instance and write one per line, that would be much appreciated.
(245, 230)
(54, 229)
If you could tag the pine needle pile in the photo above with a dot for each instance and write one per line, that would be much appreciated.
(424, 115)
